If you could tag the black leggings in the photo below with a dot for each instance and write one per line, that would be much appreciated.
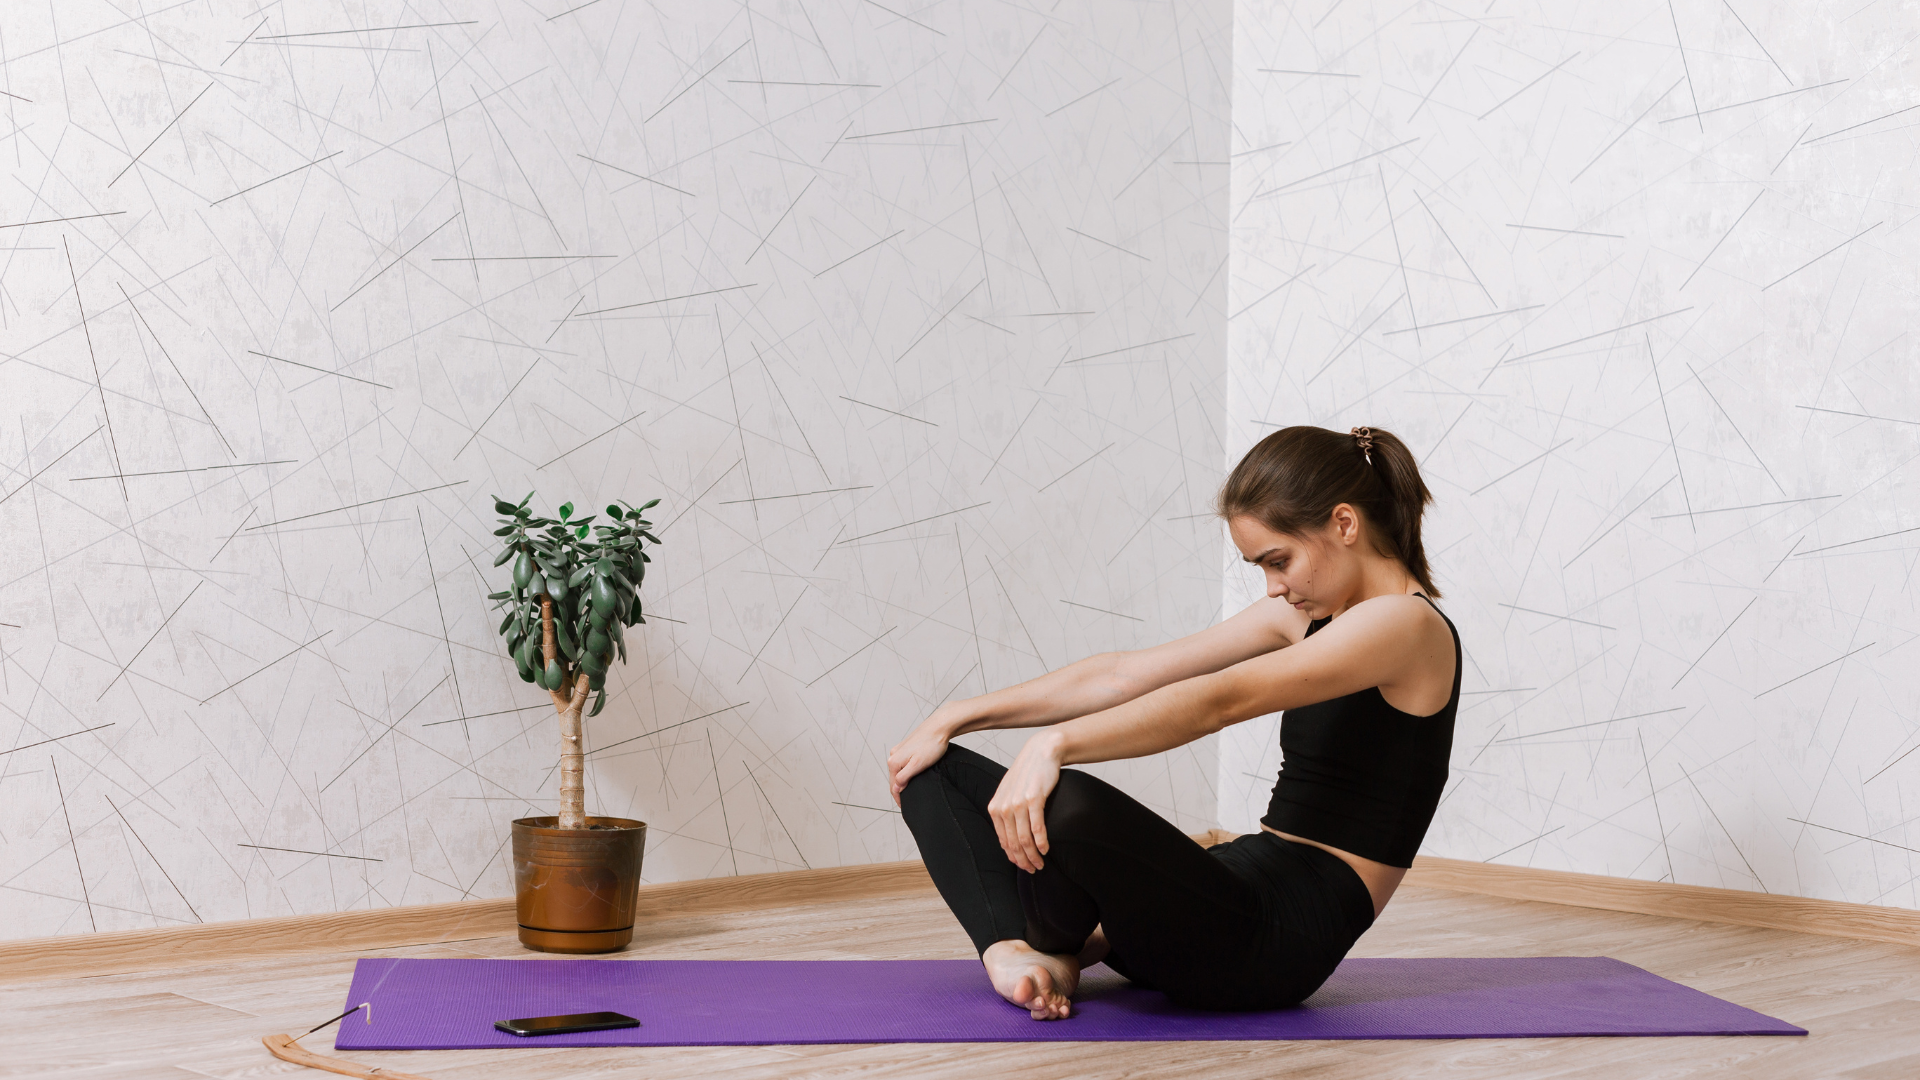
(1257, 923)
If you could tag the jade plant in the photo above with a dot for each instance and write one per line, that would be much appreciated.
(575, 590)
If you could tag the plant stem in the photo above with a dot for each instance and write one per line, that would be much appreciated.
(573, 789)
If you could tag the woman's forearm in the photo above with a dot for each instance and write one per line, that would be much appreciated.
(1171, 716)
(1082, 687)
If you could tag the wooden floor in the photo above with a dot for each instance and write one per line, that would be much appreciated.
(1860, 1000)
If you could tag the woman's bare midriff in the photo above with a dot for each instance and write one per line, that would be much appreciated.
(1380, 878)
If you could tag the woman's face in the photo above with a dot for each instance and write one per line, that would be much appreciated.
(1299, 570)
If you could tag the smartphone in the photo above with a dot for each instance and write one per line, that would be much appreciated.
(561, 1025)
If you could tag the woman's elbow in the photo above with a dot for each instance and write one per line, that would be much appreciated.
(1227, 701)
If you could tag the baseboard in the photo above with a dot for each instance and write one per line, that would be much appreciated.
(123, 952)
(126, 951)
(1828, 918)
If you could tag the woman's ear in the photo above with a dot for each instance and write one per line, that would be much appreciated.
(1345, 522)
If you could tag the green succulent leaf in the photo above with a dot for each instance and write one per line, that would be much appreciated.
(598, 701)
(589, 569)
(604, 598)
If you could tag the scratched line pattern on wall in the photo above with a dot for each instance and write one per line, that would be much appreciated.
(913, 316)
(1637, 283)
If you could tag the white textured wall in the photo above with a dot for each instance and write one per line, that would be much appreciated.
(912, 314)
(1637, 282)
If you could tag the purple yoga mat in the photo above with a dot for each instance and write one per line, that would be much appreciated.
(452, 1004)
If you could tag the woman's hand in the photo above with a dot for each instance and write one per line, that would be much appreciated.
(1019, 805)
(919, 750)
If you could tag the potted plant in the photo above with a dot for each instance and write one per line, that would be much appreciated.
(575, 589)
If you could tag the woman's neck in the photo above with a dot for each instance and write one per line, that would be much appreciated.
(1381, 577)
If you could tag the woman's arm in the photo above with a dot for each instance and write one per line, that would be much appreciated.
(1373, 643)
(1106, 680)
(1096, 685)
(1079, 688)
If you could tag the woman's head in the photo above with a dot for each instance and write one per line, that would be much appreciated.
(1305, 503)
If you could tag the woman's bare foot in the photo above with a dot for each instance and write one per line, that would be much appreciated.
(1039, 982)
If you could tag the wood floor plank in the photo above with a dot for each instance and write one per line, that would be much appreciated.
(1860, 999)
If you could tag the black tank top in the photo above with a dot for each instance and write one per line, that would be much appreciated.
(1360, 775)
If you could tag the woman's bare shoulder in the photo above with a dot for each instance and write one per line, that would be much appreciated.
(1398, 620)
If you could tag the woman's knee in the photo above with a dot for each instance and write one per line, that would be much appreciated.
(958, 772)
(923, 791)
(1074, 807)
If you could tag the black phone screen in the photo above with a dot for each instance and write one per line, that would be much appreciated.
(561, 1025)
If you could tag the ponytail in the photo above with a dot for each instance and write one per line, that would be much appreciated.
(1292, 479)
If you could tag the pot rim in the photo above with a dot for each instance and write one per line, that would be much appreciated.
(547, 824)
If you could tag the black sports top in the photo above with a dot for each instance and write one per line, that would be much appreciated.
(1360, 775)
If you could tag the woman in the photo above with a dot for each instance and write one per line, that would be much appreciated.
(1051, 869)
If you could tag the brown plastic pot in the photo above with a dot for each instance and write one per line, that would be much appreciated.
(574, 889)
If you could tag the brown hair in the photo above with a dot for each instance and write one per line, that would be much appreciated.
(1292, 479)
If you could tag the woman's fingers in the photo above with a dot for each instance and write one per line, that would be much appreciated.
(910, 758)
(1003, 831)
(900, 770)
(1023, 852)
(1037, 820)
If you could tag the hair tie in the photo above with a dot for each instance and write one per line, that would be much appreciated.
(1364, 436)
